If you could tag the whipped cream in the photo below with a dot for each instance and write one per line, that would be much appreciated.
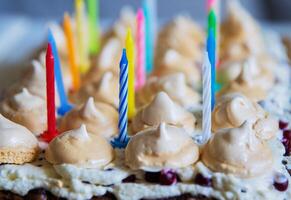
(160, 147)
(99, 118)
(79, 147)
(163, 109)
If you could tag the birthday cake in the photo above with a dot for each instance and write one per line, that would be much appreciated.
(107, 140)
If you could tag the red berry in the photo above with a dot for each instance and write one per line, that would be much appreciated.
(287, 134)
(168, 177)
(202, 180)
(283, 125)
(286, 141)
(280, 182)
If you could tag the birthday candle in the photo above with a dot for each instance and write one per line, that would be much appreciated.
(71, 53)
(211, 54)
(148, 37)
(131, 73)
(83, 56)
(206, 112)
(93, 12)
(141, 76)
(64, 104)
(50, 93)
(122, 139)
(210, 4)
(212, 22)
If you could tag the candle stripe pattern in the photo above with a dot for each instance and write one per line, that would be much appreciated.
(206, 113)
(122, 139)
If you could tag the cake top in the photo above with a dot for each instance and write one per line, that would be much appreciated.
(164, 146)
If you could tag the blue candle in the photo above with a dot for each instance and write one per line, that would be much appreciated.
(64, 104)
(211, 53)
(122, 139)
(149, 39)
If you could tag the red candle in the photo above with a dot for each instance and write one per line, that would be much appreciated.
(50, 93)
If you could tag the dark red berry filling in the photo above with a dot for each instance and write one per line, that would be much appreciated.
(281, 182)
(203, 180)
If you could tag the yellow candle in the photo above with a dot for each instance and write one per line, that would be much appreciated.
(71, 52)
(131, 73)
(82, 49)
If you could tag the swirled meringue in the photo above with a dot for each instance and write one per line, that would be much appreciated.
(78, 147)
(249, 83)
(161, 147)
(26, 109)
(107, 60)
(183, 36)
(238, 151)
(17, 145)
(163, 109)
(176, 88)
(33, 80)
(174, 62)
(99, 118)
(105, 90)
(240, 34)
(232, 110)
(260, 68)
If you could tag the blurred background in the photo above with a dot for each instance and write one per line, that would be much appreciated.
(274, 10)
(23, 22)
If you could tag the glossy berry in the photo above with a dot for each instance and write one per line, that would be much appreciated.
(168, 177)
(286, 141)
(202, 180)
(283, 125)
(287, 134)
(280, 182)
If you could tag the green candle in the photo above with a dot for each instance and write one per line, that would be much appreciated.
(93, 12)
(212, 22)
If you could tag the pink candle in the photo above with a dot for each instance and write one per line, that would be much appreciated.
(140, 71)
(210, 4)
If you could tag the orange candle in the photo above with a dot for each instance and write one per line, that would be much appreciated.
(71, 52)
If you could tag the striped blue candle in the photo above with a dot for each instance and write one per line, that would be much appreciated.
(149, 39)
(211, 54)
(65, 106)
(122, 139)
